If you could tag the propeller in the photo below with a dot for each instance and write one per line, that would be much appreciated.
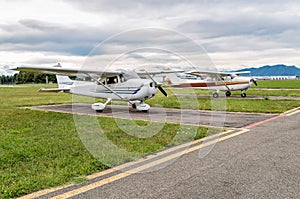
(254, 81)
(162, 91)
(158, 85)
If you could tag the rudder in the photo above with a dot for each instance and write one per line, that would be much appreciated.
(64, 82)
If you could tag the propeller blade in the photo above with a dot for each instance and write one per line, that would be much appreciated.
(254, 81)
(158, 85)
(162, 91)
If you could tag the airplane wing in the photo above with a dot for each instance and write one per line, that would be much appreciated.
(216, 73)
(242, 72)
(156, 72)
(58, 70)
(66, 71)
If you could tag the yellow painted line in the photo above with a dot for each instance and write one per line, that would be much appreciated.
(118, 168)
(149, 157)
(293, 113)
(143, 167)
(44, 192)
(188, 144)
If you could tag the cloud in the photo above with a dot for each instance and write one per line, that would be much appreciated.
(248, 20)
(149, 46)
(73, 28)
(34, 35)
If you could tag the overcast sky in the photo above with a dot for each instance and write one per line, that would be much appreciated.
(234, 34)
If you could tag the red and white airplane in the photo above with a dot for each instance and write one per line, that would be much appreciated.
(216, 81)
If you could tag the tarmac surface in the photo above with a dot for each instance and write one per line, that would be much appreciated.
(192, 117)
(260, 160)
(263, 163)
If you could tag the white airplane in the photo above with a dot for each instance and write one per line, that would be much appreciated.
(119, 85)
(217, 81)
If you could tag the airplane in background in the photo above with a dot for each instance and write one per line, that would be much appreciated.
(122, 85)
(216, 81)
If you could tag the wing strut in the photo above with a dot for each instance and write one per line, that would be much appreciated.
(107, 87)
(219, 77)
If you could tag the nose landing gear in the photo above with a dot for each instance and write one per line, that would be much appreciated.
(141, 106)
(243, 95)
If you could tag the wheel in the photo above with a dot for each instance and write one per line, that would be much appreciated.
(98, 107)
(134, 106)
(215, 95)
(243, 95)
(228, 93)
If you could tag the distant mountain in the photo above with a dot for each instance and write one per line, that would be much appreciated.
(275, 70)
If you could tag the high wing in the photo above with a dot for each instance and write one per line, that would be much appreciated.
(216, 73)
(67, 71)
(58, 70)
(144, 72)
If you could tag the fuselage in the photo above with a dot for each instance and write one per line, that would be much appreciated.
(236, 83)
(130, 90)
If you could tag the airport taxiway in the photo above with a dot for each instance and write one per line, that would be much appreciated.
(260, 160)
(261, 163)
(182, 116)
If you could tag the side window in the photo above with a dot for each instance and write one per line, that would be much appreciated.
(115, 79)
(122, 79)
(112, 80)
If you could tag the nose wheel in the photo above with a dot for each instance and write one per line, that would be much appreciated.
(243, 95)
(141, 106)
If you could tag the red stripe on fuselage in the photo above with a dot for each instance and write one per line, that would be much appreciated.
(210, 84)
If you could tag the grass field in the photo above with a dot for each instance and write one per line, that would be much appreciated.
(42, 149)
(290, 84)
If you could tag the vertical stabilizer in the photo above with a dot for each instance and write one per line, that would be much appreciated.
(172, 79)
(64, 82)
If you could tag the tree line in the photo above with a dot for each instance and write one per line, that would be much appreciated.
(26, 77)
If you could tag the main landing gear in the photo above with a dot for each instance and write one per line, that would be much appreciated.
(228, 93)
(140, 106)
(215, 95)
(99, 107)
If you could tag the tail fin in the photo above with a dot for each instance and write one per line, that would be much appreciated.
(169, 81)
(173, 80)
(64, 82)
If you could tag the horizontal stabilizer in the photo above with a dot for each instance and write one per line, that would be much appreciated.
(54, 90)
